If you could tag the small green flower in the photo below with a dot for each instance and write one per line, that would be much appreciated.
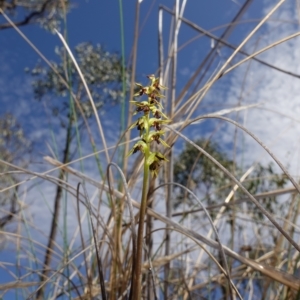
(145, 90)
(154, 162)
(157, 113)
(143, 106)
(141, 124)
(141, 92)
(139, 146)
(156, 123)
(156, 136)
(154, 168)
(155, 82)
(153, 99)
(153, 118)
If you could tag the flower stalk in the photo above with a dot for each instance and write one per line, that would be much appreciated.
(150, 131)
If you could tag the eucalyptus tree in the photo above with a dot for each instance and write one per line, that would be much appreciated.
(197, 172)
(47, 13)
(15, 149)
(61, 87)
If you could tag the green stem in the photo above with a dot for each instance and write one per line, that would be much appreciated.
(151, 160)
(139, 257)
(138, 268)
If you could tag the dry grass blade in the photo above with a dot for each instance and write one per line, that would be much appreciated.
(263, 210)
(243, 43)
(132, 219)
(212, 53)
(63, 80)
(224, 260)
(88, 93)
(17, 285)
(252, 56)
(249, 56)
(218, 113)
(264, 269)
(203, 91)
(89, 280)
(239, 201)
(286, 172)
(99, 262)
(165, 259)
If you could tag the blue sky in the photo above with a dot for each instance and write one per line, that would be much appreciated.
(275, 121)
(99, 22)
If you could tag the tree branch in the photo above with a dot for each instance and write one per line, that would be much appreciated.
(27, 19)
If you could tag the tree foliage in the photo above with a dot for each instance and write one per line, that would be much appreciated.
(196, 171)
(14, 148)
(47, 13)
(102, 71)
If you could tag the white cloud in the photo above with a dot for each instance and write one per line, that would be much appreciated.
(185, 71)
(279, 93)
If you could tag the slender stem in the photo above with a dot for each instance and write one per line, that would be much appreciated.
(138, 268)
(151, 163)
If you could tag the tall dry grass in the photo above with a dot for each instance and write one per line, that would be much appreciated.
(183, 257)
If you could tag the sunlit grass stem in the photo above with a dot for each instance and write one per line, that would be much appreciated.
(138, 269)
(152, 160)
